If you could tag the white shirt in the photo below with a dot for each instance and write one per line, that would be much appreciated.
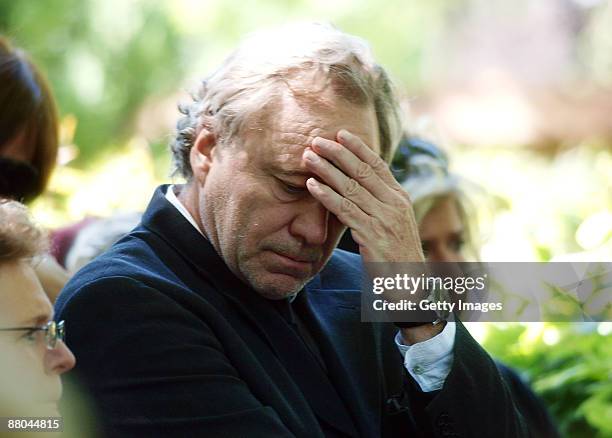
(171, 197)
(428, 362)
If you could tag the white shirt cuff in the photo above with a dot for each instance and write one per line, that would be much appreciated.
(429, 362)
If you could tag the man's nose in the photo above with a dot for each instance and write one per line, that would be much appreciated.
(311, 224)
(59, 360)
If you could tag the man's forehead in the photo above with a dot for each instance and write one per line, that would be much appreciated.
(303, 134)
(296, 126)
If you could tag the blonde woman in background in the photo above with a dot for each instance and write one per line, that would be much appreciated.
(447, 228)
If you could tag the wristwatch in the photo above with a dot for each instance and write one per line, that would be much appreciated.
(429, 317)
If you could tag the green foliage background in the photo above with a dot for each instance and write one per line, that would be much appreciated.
(572, 375)
(104, 58)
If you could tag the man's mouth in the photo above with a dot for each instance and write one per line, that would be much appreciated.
(295, 266)
(300, 259)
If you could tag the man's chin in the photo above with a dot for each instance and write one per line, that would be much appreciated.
(277, 286)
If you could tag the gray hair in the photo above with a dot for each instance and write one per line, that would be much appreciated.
(251, 78)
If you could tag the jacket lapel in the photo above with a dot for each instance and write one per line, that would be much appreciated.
(316, 386)
(348, 347)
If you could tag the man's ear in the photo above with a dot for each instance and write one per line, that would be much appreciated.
(201, 154)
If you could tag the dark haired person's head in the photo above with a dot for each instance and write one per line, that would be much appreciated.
(28, 126)
(32, 353)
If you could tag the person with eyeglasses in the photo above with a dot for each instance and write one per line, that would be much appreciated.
(33, 354)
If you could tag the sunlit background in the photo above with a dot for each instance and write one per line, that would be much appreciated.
(518, 92)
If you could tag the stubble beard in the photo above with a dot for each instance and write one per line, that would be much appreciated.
(259, 280)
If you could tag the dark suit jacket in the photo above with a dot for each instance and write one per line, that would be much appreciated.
(171, 344)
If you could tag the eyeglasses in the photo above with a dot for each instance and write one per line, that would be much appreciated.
(53, 332)
(403, 164)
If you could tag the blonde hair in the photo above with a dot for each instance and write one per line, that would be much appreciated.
(429, 181)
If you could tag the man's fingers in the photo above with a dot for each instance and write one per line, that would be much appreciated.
(341, 183)
(365, 154)
(344, 209)
(354, 167)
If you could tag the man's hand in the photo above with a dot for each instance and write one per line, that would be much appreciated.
(357, 186)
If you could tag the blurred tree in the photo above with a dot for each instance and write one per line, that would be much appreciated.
(103, 58)
(569, 365)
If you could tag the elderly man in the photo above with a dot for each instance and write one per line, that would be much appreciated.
(228, 312)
